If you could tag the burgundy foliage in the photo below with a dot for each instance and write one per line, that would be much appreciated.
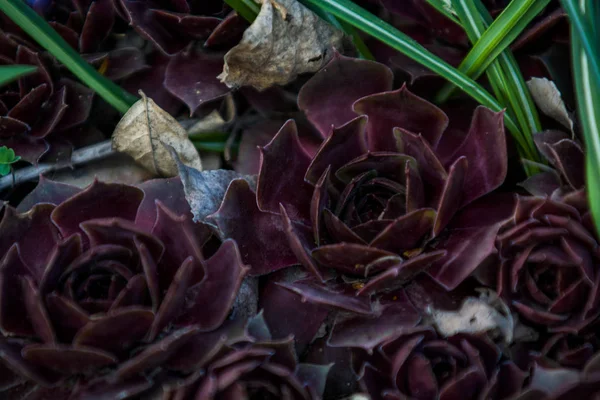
(100, 286)
(380, 190)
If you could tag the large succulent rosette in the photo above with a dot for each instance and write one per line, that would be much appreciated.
(548, 251)
(417, 363)
(100, 287)
(376, 193)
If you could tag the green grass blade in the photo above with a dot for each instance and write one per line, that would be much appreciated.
(246, 9)
(36, 27)
(585, 35)
(9, 73)
(443, 8)
(505, 78)
(587, 88)
(216, 147)
(351, 13)
(361, 47)
(500, 34)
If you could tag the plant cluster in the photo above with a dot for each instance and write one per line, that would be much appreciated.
(375, 230)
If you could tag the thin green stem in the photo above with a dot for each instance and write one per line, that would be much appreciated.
(35, 26)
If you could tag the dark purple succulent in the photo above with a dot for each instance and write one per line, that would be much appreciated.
(417, 363)
(40, 111)
(571, 350)
(548, 262)
(247, 364)
(172, 25)
(549, 382)
(380, 190)
(548, 251)
(101, 286)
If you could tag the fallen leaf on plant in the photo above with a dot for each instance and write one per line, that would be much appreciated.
(285, 40)
(486, 314)
(142, 132)
(204, 190)
(549, 100)
(7, 157)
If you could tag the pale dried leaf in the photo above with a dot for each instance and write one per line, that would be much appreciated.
(215, 121)
(142, 132)
(549, 100)
(285, 40)
(486, 314)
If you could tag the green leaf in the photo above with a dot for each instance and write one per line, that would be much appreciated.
(4, 169)
(501, 33)
(444, 8)
(217, 147)
(9, 73)
(587, 87)
(247, 9)
(7, 157)
(36, 27)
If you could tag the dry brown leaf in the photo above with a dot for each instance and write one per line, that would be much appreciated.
(285, 40)
(486, 314)
(142, 132)
(548, 99)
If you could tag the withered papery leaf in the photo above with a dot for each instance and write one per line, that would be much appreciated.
(285, 40)
(549, 100)
(142, 132)
(204, 190)
(486, 314)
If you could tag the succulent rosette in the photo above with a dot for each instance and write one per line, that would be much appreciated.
(547, 252)
(101, 286)
(41, 109)
(380, 188)
(248, 364)
(417, 363)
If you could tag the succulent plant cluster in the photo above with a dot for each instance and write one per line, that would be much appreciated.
(343, 255)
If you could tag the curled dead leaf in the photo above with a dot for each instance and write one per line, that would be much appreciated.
(205, 190)
(285, 40)
(142, 132)
(549, 100)
(486, 314)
